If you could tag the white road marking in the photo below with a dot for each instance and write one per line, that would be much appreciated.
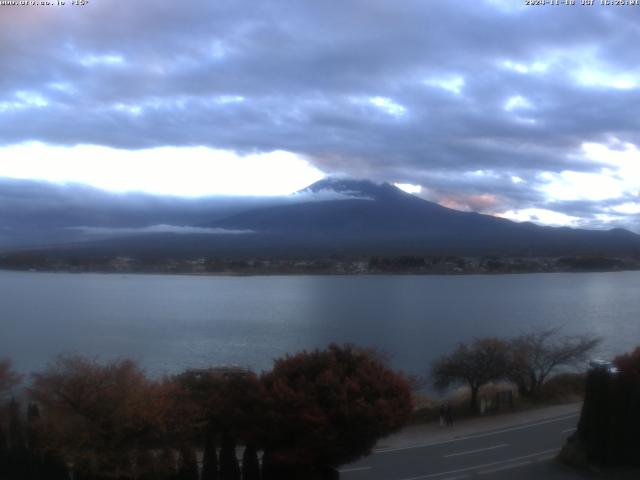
(505, 467)
(469, 452)
(486, 465)
(354, 469)
(569, 430)
(479, 435)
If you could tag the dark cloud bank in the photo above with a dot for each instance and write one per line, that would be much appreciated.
(41, 213)
(414, 92)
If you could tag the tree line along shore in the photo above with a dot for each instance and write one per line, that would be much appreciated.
(312, 412)
(331, 265)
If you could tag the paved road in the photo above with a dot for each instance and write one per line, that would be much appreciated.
(524, 450)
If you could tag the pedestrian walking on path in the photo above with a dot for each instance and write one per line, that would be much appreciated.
(443, 414)
(449, 415)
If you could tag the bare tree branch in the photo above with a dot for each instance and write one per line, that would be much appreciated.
(485, 360)
(535, 356)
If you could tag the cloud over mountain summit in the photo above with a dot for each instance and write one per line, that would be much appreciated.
(524, 112)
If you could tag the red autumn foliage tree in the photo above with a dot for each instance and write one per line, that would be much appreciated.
(628, 365)
(222, 399)
(223, 404)
(326, 408)
(98, 414)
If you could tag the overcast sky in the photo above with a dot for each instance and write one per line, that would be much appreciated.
(529, 112)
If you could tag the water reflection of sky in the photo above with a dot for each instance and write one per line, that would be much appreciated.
(173, 322)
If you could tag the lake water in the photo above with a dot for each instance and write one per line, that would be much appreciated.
(169, 323)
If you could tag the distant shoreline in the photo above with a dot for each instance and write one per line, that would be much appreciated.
(401, 265)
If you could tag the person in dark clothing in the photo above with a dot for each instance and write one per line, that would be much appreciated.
(449, 415)
(443, 414)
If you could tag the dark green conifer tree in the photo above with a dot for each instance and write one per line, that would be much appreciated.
(166, 465)
(18, 461)
(187, 463)
(266, 471)
(229, 468)
(210, 457)
(34, 443)
(145, 465)
(250, 463)
(4, 454)
(33, 428)
(16, 428)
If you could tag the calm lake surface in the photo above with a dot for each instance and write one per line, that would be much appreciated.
(169, 323)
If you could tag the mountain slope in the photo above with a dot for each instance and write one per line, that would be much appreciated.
(382, 219)
(360, 218)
